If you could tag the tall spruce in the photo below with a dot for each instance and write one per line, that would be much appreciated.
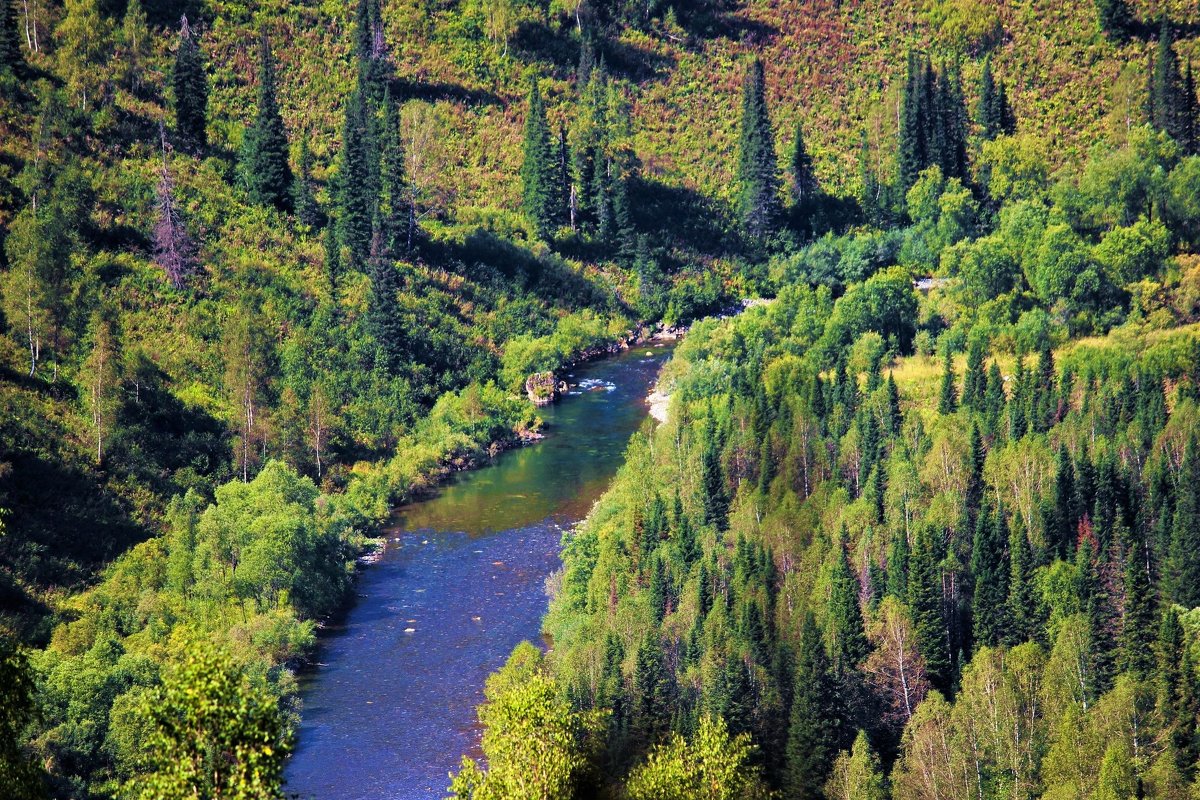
(758, 169)
(1137, 623)
(356, 199)
(190, 86)
(925, 602)
(813, 730)
(394, 206)
(990, 569)
(1168, 106)
(383, 308)
(539, 192)
(849, 644)
(303, 197)
(11, 56)
(948, 398)
(265, 169)
(1183, 558)
(804, 178)
(1023, 619)
(994, 115)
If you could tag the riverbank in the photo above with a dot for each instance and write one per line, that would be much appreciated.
(460, 581)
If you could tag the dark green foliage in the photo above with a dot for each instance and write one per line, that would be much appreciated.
(813, 730)
(383, 312)
(1177, 698)
(264, 158)
(394, 201)
(991, 570)
(758, 170)
(805, 189)
(1024, 622)
(848, 639)
(19, 775)
(933, 123)
(948, 398)
(303, 199)
(994, 115)
(974, 392)
(1171, 103)
(190, 85)
(1137, 626)
(715, 498)
(1182, 568)
(1115, 18)
(651, 692)
(356, 179)
(1060, 531)
(11, 56)
(897, 566)
(926, 606)
(540, 192)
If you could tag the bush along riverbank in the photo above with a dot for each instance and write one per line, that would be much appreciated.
(249, 576)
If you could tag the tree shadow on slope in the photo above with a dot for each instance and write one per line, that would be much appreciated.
(684, 219)
(418, 88)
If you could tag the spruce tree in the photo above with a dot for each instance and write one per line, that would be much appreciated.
(994, 115)
(11, 57)
(912, 156)
(804, 179)
(303, 198)
(975, 385)
(1022, 611)
(849, 640)
(1169, 104)
(538, 170)
(1137, 624)
(994, 400)
(383, 308)
(925, 602)
(652, 691)
(948, 398)
(394, 195)
(190, 85)
(990, 570)
(1183, 558)
(265, 169)
(897, 566)
(758, 170)
(356, 201)
(716, 498)
(813, 730)
(1061, 534)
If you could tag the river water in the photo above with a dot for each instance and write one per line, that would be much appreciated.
(391, 707)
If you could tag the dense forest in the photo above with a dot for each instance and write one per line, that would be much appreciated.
(923, 523)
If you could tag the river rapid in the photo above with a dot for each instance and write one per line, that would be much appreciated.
(390, 707)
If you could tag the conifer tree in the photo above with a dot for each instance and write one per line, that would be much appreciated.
(303, 198)
(190, 85)
(1061, 533)
(1023, 619)
(652, 691)
(926, 606)
(1137, 625)
(355, 181)
(990, 568)
(716, 499)
(383, 309)
(1183, 558)
(894, 417)
(1169, 103)
(758, 170)
(849, 639)
(804, 179)
(394, 193)
(813, 730)
(897, 566)
(538, 171)
(265, 169)
(11, 57)
(913, 111)
(994, 400)
(994, 116)
(948, 398)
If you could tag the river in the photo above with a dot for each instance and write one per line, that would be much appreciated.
(390, 708)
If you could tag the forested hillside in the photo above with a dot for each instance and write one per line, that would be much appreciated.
(269, 269)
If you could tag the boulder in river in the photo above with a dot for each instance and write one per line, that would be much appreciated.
(542, 388)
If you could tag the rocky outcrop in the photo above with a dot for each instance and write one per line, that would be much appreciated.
(542, 388)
